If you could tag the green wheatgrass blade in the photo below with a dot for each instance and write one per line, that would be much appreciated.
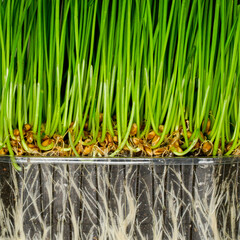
(56, 115)
(150, 88)
(103, 70)
(223, 68)
(37, 124)
(50, 146)
(163, 38)
(187, 150)
(122, 144)
(120, 70)
(60, 37)
(96, 113)
(219, 129)
(210, 75)
(97, 71)
(137, 64)
(235, 138)
(20, 58)
(77, 74)
(170, 114)
(3, 74)
(167, 88)
(66, 102)
(91, 96)
(72, 145)
(181, 63)
(201, 64)
(50, 53)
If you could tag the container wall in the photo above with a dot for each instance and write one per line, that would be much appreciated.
(69, 201)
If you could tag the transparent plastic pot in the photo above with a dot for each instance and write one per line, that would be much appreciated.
(120, 198)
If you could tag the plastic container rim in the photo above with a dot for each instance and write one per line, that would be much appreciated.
(124, 161)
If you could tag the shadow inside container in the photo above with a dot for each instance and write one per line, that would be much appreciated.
(5, 184)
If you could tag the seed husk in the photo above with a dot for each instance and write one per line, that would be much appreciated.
(229, 146)
(179, 149)
(16, 132)
(31, 145)
(110, 145)
(45, 137)
(206, 147)
(102, 144)
(135, 141)
(115, 139)
(27, 127)
(20, 151)
(2, 151)
(79, 148)
(148, 150)
(155, 140)
(159, 151)
(100, 117)
(151, 135)
(125, 148)
(46, 142)
(109, 138)
(62, 153)
(35, 149)
(236, 151)
(29, 137)
(175, 142)
(140, 146)
(207, 126)
(14, 143)
(133, 129)
(87, 150)
(197, 145)
(161, 128)
(189, 134)
(87, 140)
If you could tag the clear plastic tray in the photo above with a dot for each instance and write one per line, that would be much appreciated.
(120, 198)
